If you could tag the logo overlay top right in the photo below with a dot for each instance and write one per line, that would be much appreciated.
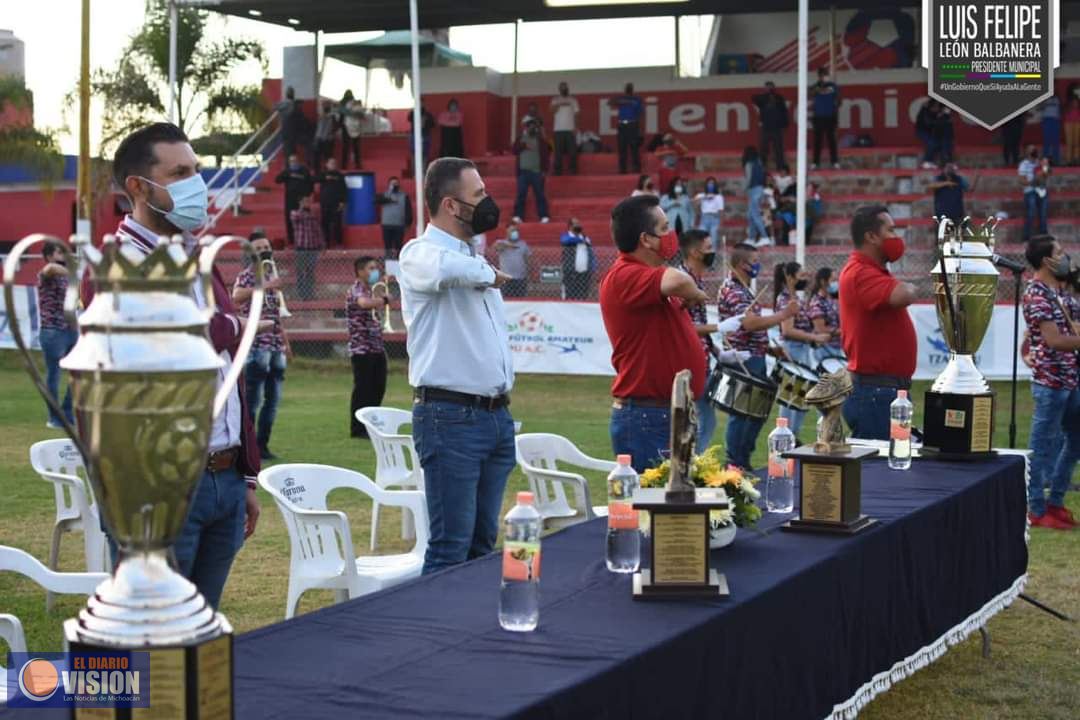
(990, 60)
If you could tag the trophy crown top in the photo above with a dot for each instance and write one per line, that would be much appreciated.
(121, 266)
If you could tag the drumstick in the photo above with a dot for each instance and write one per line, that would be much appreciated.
(725, 343)
(1068, 317)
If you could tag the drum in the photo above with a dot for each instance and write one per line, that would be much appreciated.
(742, 394)
(831, 364)
(793, 382)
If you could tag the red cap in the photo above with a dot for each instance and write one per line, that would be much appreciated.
(901, 394)
(781, 422)
(525, 498)
(622, 459)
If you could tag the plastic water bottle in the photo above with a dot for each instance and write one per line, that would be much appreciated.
(780, 485)
(519, 597)
(623, 534)
(900, 413)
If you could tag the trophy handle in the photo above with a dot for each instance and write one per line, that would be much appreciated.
(211, 248)
(71, 300)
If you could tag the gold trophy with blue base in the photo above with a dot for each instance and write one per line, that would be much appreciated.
(145, 390)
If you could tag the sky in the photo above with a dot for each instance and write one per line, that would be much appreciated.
(50, 30)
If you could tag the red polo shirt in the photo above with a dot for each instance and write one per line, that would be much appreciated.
(878, 339)
(652, 336)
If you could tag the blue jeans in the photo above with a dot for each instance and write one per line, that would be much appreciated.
(1034, 211)
(528, 179)
(742, 432)
(710, 223)
(265, 371)
(866, 411)
(1054, 445)
(802, 353)
(756, 223)
(55, 344)
(467, 453)
(1051, 133)
(643, 433)
(706, 417)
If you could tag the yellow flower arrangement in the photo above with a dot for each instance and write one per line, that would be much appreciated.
(708, 470)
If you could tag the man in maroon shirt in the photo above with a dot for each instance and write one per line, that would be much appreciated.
(879, 337)
(652, 337)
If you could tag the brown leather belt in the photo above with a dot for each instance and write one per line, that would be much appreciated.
(222, 460)
(621, 403)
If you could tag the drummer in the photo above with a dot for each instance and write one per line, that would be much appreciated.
(752, 336)
(797, 333)
(824, 312)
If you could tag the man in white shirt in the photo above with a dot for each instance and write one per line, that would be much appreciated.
(460, 366)
(565, 108)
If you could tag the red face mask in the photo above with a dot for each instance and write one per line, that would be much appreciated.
(893, 248)
(669, 245)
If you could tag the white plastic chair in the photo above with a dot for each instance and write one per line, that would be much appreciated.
(396, 462)
(322, 555)
(23, 563)
(539, 455)
(59, 462)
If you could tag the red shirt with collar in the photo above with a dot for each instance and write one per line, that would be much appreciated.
(878, 339)
(652, 336)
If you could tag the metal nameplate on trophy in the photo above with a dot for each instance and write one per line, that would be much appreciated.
(830, 470)
(678, 518)
(958, 421)
(144, 421)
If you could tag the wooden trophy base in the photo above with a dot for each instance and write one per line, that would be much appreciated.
(645, 589)
(830, 491)
(187, 682)
(958, 427)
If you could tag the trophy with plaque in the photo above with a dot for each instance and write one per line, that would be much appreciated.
(830, 470)
(143, 377)
(678, 517)
(959, 419)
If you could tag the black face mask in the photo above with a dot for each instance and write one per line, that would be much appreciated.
(266, 255)
(709, 259)
(800, 285)
(485, 216)
(576, 229)
(1062, 268)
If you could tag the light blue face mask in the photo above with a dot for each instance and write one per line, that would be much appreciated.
(834, 287)
(373, 277)
(189, 199)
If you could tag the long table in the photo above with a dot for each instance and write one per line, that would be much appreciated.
(815, 625)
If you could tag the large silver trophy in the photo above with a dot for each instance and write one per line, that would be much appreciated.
(145, 389)
(959, 418)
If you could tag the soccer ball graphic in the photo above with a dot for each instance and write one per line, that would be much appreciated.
(880, 38)
(530, 321)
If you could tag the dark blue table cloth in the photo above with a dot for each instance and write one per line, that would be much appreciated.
(814, 623)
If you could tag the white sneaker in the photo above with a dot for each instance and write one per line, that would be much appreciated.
(516, 219)
(763, 242)
(545, 219)
(929, 166)
(53, 425)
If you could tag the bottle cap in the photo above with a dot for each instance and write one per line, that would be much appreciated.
(901, 394)
(781, 422)
(622, 459)
(525, 498)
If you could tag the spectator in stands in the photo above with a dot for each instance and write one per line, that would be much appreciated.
(451, 137)
(57, 337)
(366, 352)
(1051, 129)
(382, 124)
(944, 134)
(325, 133)
(949, 188)
(295, 132)
(427, 122)
(825, 105)
(332, 203)
(754, 176)
(578, 261)
(784, 181)
(1012, 133)
(514, 255)
(396, 217)
(669, 152)
(352, 118)
(1034, 176)
(309, 243)
(773, 120)
(565, 109)
(533, 151)
(630, 110)
(1072, 124)
(924, 130)
(264, 372)
(815, 208)
(645, 186)
(298, 183)
(478, 243)
(710, 206)
(678, 206)
(532, 112)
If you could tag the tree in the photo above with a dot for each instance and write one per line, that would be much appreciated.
(136, 91)
(23, 145)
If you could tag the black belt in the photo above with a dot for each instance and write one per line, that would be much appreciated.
(222, 460)
(888, 381)
(430, 394)
(625, 402)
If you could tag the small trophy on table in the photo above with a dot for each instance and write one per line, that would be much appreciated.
(679, 519)
(830, 471)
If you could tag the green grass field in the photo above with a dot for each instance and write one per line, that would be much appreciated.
(1033, 672)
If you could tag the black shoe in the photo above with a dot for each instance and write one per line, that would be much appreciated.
(265, 454)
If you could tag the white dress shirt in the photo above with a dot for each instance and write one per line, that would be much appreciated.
(457, 337)
(227, 426)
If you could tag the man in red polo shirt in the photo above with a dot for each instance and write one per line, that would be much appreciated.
(652, 337)
(879, 337)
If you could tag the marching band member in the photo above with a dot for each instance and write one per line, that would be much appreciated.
(797, 333)
(1055, 421)
(752, 337)
(824, 312)
(366, 351)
